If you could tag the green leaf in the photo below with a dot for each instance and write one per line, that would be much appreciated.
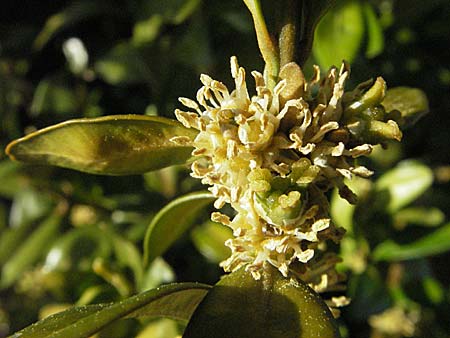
(157, 273)
(435, 243)
(412, 103)
(110, 145)
(161, 328)
(32, 249)
(172, 222)
(339, 34)
(272, 307)
(311, 13)
(176, 301)
(71, 15)
(12, 180)
(55, 97)
(403, 184)
(123, 65)
(210, 238)
(128, 255)
(28, 206)
(77, 249)
(428, 217)
(375, 37)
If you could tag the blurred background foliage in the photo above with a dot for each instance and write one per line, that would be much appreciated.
(70, 238)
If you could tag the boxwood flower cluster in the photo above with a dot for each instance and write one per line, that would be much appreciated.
(273, 157)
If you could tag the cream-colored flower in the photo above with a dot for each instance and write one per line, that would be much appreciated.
(273, 155)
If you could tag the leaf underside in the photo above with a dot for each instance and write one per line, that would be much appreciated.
(176, 301)
(110, 145)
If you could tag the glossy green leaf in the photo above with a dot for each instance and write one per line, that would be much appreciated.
(272, 307)
(339, 34)
(435, 243)
(375, 37)
(111, 145)
(32, 249)
(412, 103)
(172, 222)
(209, 239)
(176, 301)
(403, 184)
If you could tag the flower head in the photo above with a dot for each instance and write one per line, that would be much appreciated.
(272, 156)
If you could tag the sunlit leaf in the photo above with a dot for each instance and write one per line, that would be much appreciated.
(176, 301)
(272, 307)
(403, 184)
(435, 243)
(412, 103)
(111, 145)
(339, 34)
(172, 222)
(31, 250)
(375, 37)
(210, 238)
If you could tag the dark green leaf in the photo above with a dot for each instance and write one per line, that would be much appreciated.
(272, 307)
(32, 249)
(432, 244)
(339, 34)
(412, 103)
(375, 37)
(111, 145)
(176, 301)
(173, 221)
(403, 184)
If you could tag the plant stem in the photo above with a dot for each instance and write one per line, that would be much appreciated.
(265, 43)
(288, 32)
